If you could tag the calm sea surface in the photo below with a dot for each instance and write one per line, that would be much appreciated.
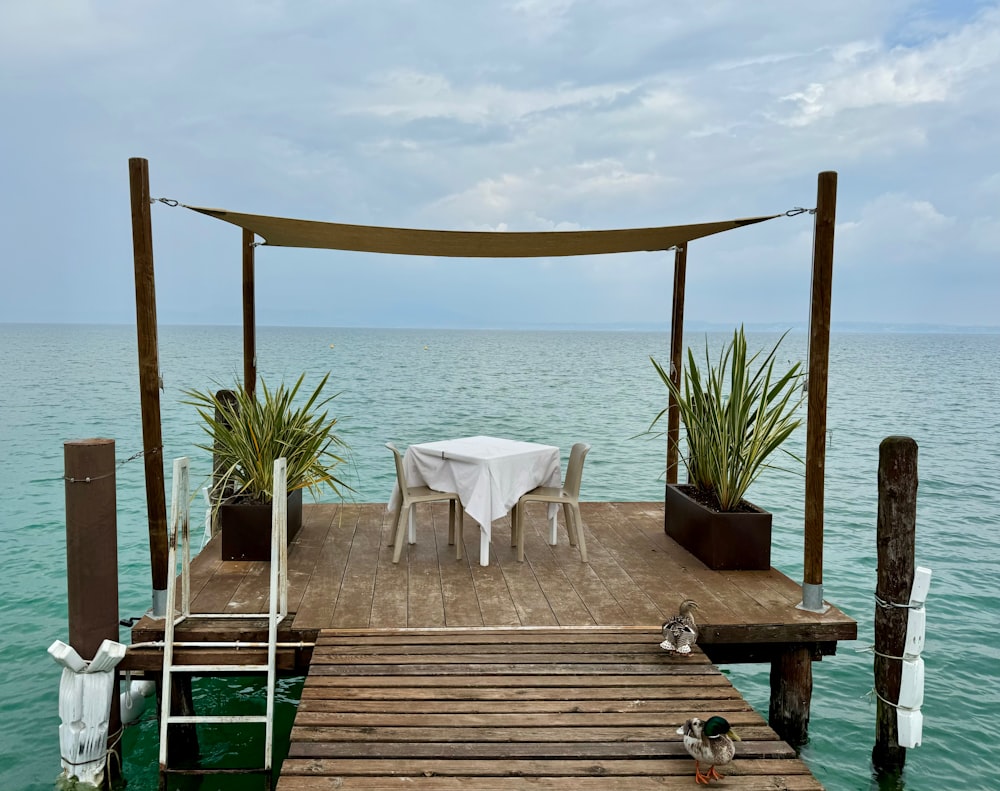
(60, 383)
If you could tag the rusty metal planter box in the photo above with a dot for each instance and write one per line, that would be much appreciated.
(735, 541)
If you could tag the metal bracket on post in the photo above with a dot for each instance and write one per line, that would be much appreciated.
(812, 598)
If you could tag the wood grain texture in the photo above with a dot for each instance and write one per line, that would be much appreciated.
(550, 708)
(341, 575)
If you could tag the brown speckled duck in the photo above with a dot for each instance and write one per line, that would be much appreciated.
(709, 742)
(680, 632)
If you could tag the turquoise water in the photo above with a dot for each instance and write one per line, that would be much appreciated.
(69, 382)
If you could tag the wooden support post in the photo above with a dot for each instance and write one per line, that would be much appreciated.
(819, 358)
(791, 694)
(149, 379)
(676, 359)
(222, 487)
(184, 750)
(92, 560)
(249, 316)
(896, 536)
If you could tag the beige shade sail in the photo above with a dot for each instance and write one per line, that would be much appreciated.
(286, 232)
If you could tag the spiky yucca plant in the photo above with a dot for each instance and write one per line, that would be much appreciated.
(734, 417)
(250, 433)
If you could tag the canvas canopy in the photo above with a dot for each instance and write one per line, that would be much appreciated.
(286, 232)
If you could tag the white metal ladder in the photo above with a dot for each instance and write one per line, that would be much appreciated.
(179, 537)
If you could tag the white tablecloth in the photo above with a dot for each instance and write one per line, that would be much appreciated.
(489, 474)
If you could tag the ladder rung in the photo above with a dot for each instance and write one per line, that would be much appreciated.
(218, 668)
(194, 719)
(235, 645)
(207, 770)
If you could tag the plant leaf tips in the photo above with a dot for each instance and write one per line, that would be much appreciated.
(731, 433)
(249, 434)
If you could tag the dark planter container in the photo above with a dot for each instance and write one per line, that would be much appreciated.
(246, 528)
(734, 541)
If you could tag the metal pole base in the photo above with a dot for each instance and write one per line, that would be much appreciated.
(812, 598)
(159, 608)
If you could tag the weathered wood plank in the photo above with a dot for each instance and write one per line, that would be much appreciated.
(506, 735)
(628, 783)
(458, 589)
(424, 600)
(396, 717)
(656, 781)
(354, 602)
(570, 703)
(579, 750)
(304, 554)
(333, 688)
(325, 656)
(389, 598)
(317, 606)
(676, 764)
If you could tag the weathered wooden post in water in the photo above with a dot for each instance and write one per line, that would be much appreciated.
(92, 594)
(897, 529)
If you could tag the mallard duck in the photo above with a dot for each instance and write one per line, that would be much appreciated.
(680, 632)
(709, 742)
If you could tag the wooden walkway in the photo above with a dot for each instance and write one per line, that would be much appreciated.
(457, 675)
(581, 709)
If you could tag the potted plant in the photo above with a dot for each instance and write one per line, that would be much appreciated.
(248, 434)
(735, 415)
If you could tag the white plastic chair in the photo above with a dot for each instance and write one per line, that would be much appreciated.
(410, 496)
(567, 495)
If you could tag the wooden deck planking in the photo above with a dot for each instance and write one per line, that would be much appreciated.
(559, 709)
(341, 575)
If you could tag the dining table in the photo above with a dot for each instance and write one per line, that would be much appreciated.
(489, 474)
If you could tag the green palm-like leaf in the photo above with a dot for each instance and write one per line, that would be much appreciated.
(730, 433)
(249, 434)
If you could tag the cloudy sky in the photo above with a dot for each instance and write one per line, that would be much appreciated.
(507, 114)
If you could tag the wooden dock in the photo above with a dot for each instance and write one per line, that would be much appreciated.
(572, 708)
(348, 601)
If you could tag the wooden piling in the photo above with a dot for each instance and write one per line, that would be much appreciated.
(896, 537)
(92, 559)
(676, 360)
(791, 694)
(819, 358)
(184, 749)
(149, 378)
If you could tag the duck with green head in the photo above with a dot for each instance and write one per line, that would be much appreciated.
(709, 742)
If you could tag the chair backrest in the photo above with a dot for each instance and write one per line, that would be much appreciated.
(400, 474)
(574, 468)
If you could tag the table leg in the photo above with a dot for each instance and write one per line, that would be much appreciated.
(553, 537)
(484, 545)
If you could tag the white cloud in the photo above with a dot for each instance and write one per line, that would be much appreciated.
(897, 230)
(862, 75)
(408, 95)
(530, 201)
